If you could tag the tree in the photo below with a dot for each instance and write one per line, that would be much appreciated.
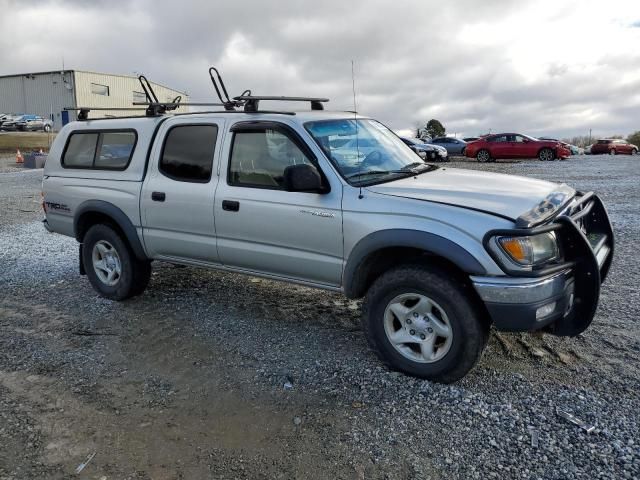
(435, 128)
(634, 138)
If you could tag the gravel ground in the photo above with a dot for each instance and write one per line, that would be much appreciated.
(215, 375)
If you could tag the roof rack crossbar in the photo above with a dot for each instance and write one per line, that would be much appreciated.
(83, 112)
(180, 104)
(251, 102)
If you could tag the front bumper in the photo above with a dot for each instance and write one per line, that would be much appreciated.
(525, 304)
(563, 153)
(561, 298)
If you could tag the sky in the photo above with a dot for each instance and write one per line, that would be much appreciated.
(541, 67)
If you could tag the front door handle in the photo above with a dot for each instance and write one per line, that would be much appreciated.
(230, 205)
(158, 196)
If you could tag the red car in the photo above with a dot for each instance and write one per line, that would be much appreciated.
(515, 145)
(613, 146)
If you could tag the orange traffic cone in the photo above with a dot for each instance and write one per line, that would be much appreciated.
(19, 157)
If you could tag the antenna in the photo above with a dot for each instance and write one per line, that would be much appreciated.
(355, 121)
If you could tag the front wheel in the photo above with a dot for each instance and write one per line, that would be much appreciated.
(112, 268)
(419, 321)
(612, 151)
(47, 128)
(634, 151)
(546, 155)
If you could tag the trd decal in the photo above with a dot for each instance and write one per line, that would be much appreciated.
(57, 206)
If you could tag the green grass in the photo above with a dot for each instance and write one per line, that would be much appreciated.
(25, 141)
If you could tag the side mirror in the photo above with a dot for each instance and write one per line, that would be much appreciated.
(303, 178)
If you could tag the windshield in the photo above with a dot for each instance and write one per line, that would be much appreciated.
(365, 151)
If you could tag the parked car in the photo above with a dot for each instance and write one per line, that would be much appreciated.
(32, 123)
(575, 150)
(613, 146)
(515, 145)
(427, 151)
(8, 119)
(439, 254)
(454, 146)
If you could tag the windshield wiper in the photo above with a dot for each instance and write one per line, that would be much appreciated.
(411, 169)
(376, 172)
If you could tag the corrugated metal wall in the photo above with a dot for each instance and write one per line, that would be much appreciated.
(46, 93)
(38, 94)
(121, 93)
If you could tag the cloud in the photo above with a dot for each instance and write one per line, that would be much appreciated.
(530, 66)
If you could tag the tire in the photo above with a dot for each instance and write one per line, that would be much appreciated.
(463, 152)
(483, 156)
(122, 275)
(451, 357)
(47, 128)
(546, 155)
(613, 152)
(634, 151)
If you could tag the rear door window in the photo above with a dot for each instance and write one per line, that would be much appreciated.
(188, 151)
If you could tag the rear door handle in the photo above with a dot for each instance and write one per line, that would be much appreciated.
(230, 205)
(158, 196)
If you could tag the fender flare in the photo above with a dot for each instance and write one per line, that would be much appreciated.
(118, 217)
(429, 242)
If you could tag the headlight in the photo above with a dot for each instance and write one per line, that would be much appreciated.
(532, 250)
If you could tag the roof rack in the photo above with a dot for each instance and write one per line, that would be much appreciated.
(83, 112)
(251, 102)
(154, 107)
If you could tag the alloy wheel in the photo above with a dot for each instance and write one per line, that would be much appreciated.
(546, 155)
(106, 263)
(483, 156)
(418, 328)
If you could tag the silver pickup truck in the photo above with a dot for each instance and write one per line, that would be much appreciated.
(333, 201)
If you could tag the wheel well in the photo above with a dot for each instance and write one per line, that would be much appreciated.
(380, 261)
(89, 219)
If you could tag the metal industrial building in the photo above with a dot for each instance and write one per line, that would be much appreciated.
(48, 93)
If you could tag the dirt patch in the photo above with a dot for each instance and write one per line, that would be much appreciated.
(25, 141)
(165, 409)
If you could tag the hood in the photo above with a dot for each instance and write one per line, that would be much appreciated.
(507, 196)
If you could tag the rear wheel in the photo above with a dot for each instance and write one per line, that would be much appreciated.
(546, 155)
(483, 156)
(612, 151)
(112, 268)
(47, 128)
(419, 321)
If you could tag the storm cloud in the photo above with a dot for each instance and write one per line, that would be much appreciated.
(538, 67)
